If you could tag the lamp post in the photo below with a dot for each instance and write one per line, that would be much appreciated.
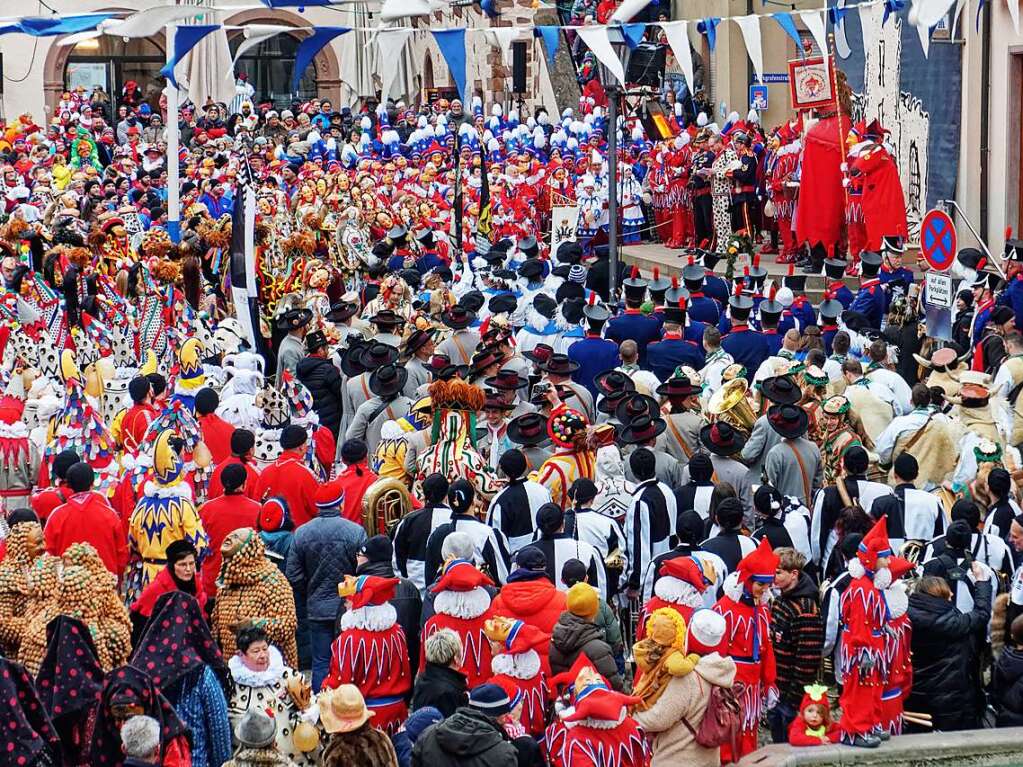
(613, 90)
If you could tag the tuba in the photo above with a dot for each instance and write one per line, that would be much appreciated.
(730, 404)
(386, 501)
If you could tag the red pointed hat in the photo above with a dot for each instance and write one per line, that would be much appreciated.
(759, 565)
(875, 544)
(899, 567)
(460, 575)
(598, 701)
(567, 678)
(686, 569)
(367, 590)
(524, 637)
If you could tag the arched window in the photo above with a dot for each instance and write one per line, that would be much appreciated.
(269, 67)
(110, 62)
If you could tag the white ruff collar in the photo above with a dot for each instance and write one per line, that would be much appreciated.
(672, 589)
(523, 665)
(370, 618)
(596, 724)
(897, 599)
(247, 677)
(462, 604)
(179, 490)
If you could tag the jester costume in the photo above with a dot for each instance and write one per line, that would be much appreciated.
(519, 668)
(596, 731)
(862, 649)
(164, 513)
(462, 605)
(898, 666)
(320, 450)
(748, 642)
(371, 651)
(19, 459)
(573, 458)
(252, 588)
(680, 586)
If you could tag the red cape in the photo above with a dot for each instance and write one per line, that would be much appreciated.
(821, 209)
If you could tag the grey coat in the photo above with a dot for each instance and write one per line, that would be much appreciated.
(783, 471)
(367, 427)
(322, 553)
(291, 351)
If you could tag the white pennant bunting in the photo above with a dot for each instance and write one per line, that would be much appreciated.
(151, 21)
(677, 34)
(924, 33)
(390, 44)
(814, 21)
(867, 29)
(597, 41)
(750, 26)
(504, 37)
(256, 34)
(392, 10)
(629, 8)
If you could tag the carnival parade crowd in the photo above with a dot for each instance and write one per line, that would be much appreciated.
(435, 496)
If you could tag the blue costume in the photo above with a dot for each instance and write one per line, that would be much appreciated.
(902, 274)
(1012, 297)
(828, 333)
(841, 293)
(594, 355)
(664, 356)
(871, 301)
(747, 347)
(704, 309)
(774, 340)
(715, 287)
(636, 326)
(804, 313)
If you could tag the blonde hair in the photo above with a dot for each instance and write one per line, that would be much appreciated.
(443, 647)
(790, 559)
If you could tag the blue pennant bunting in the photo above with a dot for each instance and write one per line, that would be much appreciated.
(785, 22)
(836, 15)
(709, 28)
(452, 46)
(186, 37)
(300, 4)
(890, 7)
(52, 26)
(980, 8)
(308, 49)
(633, 34)
(551, 38)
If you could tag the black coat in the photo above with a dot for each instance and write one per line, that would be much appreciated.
(441, 687)
(467, 738)
(946, 648)
(323, 381)
(407, 603)
(1007, 688)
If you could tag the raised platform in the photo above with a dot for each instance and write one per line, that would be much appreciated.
(970, 748)
(671, 262)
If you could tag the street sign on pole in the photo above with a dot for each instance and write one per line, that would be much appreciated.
(938, 300)
(938, 240)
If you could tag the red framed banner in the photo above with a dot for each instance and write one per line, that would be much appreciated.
(810, 83)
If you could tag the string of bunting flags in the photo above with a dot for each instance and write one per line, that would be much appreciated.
(451, 40)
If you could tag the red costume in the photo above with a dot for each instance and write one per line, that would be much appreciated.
(88, 518)
(597, 730)
(680, 587)
(47, 499)
(216, 487)
(289, 478)
(134, 424)
(748, 642)
(221, 517)
(462, 605)
(371, 651)
(821, 184)
(216, 433)
(800, 733)
(898, 665)
(863, 620)
(884, 206)
(353, 482)
(520, 666)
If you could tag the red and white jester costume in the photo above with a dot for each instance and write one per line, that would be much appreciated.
(519, 668)
(463, 605)
(371, 651)
(748, 640)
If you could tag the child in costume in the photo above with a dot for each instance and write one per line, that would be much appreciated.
(520, 664)
(812, 725)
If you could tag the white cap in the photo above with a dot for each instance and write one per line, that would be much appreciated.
(706, 630)
(784, 297)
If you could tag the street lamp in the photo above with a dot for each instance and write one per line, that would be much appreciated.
(612, 88)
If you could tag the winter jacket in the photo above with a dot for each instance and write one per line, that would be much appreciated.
(365, 746)
(1007, 687)
(322, 553)
(467, 738)
(406, 602)
(797, 630)
(441, 687)
(323, 381)
(536, 602)
(609, 626)
(946, 659)
(88, 518)
(686, 697)
(573, 636)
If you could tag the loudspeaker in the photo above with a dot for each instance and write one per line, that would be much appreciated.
(518, 67)
(646, 65)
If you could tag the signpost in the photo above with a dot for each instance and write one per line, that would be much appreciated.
(938, 240)
(758, 97)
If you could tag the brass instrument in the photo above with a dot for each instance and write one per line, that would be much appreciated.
(730, 404)
(386, 501)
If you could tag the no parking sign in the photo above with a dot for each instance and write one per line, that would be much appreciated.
(938, 240)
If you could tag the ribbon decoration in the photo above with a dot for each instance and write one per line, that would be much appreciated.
(750, 26)
(785, 22)
(452, 47)
(308, 49)
(599, 43)
(185, 39)
(677, 34)
(256, 34)
(551, 37)
(390, 44)
(708, 27)
(52, 26)
(815, 23)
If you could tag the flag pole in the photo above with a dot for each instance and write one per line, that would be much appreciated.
(173, 143)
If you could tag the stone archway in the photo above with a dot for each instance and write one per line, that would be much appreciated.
(328, 69)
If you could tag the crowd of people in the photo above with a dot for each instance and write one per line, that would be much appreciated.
(438, 497)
